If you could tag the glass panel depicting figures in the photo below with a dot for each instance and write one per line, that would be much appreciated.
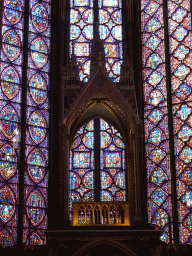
(37, 134)
(110, 29)
(112, 164)
(81, 34)
(82, 177)
(11, 58)
(180, 42)
(156, 119)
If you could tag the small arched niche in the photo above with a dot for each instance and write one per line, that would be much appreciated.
(114, 111)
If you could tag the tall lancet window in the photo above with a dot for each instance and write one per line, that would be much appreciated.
(24, 121)
(91, 180)
(167, 49)
(10, 118)
(85, 18)
(81, 34)
(110, 28)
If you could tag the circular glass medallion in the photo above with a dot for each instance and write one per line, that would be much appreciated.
(10, 82)
(8, 121)
(105, 139)
(38, 89)
(88, 139)
(13, 11)
(39, 52)
(37, 126)
(11, 44)
(36, 207)
(39, 17)
(36, 165)
(7, 205)
(8, 166)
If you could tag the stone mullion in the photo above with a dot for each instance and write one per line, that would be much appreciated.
(170, 126)
(97, 158)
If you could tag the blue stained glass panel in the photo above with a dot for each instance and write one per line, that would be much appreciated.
(11, 59)
(81, 34)
(112, 164)
(10, 82)
(110, 29)
(38, 89)
(39, 52)
(8, 165)
(13, 11)
(11, 44)
(156, 121)
(40, 17)
(81, 160)
(37, 134)
(7, 206)
(36, 207)
(113, 159)
(179, 27)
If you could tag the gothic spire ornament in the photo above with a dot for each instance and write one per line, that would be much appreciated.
(97, 51)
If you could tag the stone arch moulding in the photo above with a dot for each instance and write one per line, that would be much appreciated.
(101, 98)
(103, 246)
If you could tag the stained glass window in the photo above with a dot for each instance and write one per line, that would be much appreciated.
(37, 134)
(12, 105)
(112, 164)
(156, 100)
(83, 182)
(110, 28)
(156, 122)
(180, 44)
(81, 34)
(82, 21)
(10, 118)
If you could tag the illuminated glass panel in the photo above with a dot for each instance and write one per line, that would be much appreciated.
(156, 120)
(179, 22)
(11, 60)
(110, 29)
(81, 34)
(37, 134)
(112, 164)
(82, 175)
(82, 167)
